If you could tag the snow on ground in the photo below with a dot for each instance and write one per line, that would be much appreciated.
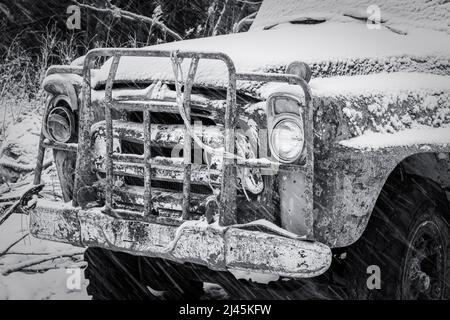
(47, 280)
(32, 283)
(22, 140)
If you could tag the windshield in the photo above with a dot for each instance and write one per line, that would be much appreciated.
(418, 13)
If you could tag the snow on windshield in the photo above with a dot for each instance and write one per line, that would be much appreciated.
(433, 14)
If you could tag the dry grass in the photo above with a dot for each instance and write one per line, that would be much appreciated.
(22, 72)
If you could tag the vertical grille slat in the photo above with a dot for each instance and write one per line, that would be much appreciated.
(109, 134)
(147, 163)
(187, 154)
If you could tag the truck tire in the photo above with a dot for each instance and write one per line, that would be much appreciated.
(65, 166)
(407, 242)
(116, 276)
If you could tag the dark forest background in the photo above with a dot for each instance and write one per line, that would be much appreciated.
(34, 34)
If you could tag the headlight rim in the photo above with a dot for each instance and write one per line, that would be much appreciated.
(297, 121)
(273, 119)
(60, 103)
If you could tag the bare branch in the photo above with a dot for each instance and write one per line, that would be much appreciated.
(13, 244)
(41, 269)
(221, 18)
(21, 168)
(250, 2)
(20, 253)
(26, 264)
(246, 20)
(118, 12)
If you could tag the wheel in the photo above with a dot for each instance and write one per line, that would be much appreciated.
(424, 275)
(121, 276)
(407, 241)
(65, 166)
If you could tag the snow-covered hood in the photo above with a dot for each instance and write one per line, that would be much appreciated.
(430, 14)
(330, 48)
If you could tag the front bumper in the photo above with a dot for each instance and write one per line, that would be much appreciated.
(239, 247)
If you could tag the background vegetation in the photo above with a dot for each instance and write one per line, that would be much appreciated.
(34, 34)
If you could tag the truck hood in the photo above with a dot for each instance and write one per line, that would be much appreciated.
(331, 48)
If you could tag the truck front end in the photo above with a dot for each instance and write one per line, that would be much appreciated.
(175, 171)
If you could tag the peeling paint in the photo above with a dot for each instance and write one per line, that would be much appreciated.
(218, 248)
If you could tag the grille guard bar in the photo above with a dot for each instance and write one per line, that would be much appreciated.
(239, 247)
(83, 172)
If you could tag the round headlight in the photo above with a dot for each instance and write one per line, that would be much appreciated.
(287, 140)
(60, 124)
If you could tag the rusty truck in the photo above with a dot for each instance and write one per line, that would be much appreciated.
(311, 149)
